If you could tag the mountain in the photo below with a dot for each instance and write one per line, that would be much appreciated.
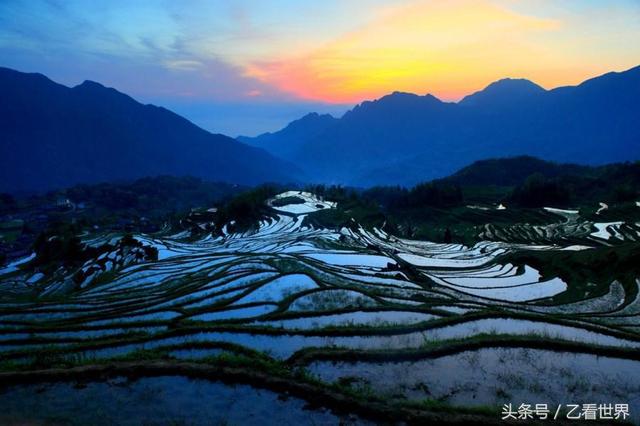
(504, 92)
(514, 171)
(284, 142)
(404, 138)
(538, 183)
(54, 136)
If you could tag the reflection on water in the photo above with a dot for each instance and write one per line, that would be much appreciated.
(166, 400)
(493, 376)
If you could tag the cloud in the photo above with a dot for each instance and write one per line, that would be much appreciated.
(285, 51)
(146, 51)
(183, 65)
(449, 46)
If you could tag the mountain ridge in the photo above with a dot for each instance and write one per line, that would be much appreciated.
(503, 91)
(276, 142)
(404, 138)
(56, 136)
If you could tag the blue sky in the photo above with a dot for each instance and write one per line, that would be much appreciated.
(249, 66)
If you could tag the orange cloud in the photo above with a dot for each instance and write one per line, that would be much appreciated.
(450, 48)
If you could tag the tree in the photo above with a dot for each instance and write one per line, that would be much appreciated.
(447, 236)
(538, 191)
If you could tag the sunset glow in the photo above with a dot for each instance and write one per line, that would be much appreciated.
(317, 56)
(449, 49)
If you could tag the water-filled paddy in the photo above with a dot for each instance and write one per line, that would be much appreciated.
(495, 376)
(285, 288)
(372, 319)
(157, 401)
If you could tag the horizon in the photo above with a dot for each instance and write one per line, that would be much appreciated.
(347, 108)
(253, 67)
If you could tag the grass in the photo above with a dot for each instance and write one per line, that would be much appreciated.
(600, 265)
(186, 329)
(443, 407)
(439, 348)
(261, 372)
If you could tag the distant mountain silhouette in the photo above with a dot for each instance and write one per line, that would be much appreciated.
(283, 143)
(54, 136)
(404, 138)
(504, 92)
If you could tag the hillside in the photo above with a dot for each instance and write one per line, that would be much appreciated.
(53, 136)
(283, 143)
(404, 138)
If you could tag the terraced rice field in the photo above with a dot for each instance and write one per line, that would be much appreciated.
(122, 402)
(407, 319)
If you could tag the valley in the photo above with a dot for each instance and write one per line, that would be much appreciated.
(399, 212)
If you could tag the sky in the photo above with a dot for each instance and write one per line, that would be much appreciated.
(244, 67)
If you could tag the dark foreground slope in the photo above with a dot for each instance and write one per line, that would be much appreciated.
(55, 136)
